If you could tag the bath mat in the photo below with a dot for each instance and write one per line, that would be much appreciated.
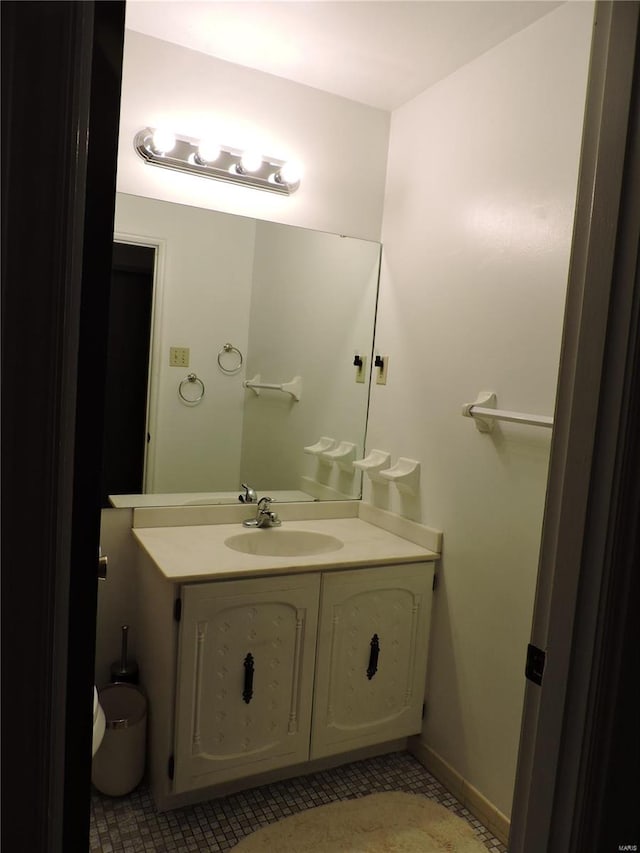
(379, 823)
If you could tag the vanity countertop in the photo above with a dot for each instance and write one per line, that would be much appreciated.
(198, 552)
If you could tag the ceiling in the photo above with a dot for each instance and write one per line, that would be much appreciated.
(375, 52)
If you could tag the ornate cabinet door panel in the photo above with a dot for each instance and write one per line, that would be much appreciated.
(245, 678)
(372, 656)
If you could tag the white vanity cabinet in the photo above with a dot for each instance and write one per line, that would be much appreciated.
(260, 667)
(245, 678)
(253, 663)
(371, 656)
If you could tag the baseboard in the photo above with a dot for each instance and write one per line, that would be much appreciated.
(470, 797)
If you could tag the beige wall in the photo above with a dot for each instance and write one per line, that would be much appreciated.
(477, 227)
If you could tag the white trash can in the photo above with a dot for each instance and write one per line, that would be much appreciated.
(118, 765)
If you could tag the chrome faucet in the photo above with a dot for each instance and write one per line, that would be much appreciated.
(250, 495)
(265, 517)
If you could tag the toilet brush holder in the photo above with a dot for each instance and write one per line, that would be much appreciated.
(124, 670)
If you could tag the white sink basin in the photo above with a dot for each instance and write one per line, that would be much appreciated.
(283, 543)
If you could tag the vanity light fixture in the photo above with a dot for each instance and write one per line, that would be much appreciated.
(210, 160)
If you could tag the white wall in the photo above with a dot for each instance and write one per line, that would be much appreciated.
(312, 308)
(341, 144)
(476, 238)
(206, 292)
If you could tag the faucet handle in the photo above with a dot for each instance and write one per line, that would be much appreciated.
(250, 495)
(264, 516)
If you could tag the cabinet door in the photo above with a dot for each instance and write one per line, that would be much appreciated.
(372, 656)
(245, 678)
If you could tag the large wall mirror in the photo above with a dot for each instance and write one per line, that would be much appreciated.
(203, 301)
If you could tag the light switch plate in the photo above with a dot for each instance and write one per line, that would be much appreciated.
(178, 356)
(381, 377)
(362, 370)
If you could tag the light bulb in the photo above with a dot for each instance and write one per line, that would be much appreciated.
(251, 161)
(290, 173)
(208, 151)
(163, 140)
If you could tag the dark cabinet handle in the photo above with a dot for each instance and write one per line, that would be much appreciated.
(247, 693)
(373, 657)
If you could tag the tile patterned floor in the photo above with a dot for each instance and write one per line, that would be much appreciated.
(132, 825)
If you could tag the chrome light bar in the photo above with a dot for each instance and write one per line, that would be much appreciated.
(182, 153)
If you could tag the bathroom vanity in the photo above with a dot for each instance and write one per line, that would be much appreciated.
(267, 649)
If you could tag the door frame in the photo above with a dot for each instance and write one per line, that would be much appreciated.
(159, 244)
(585, 575)
(58, 194)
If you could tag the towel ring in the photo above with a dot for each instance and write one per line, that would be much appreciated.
(191, 378)
(226, 349)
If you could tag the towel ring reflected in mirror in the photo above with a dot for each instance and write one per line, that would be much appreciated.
(192, 379)
(229, 348)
